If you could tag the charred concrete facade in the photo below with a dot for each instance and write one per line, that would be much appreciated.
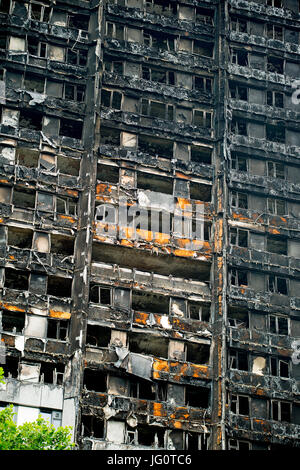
(152, 341)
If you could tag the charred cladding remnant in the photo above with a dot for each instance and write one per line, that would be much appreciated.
(149, 226)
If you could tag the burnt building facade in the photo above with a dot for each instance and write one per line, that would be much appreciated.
(113, 114)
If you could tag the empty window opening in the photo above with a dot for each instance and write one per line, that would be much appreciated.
(155, 146)
(34, 83)
(37, 48)
(59, 286)
(109, 136)
(203, 49)
(239, 57)
(68, 166)
(274, 32)
(275, 65)
(201, 154)
(92, 426)
(115, 30)
(114, 66)
(77, 57)
(279, 367)
(27, 157)
(70, 128)
(198, 311)
(197, 353)
(78, 22)
(277, 285)
(277, 245)
(150, 436)
(276, 170)
(278, 325)
(195, 441)
(276, 206)
(239, 25)
(239, 200)
(13, 322)
(197, 397)
(98, 336)
(203, 15)
(202, 118)
(161, 7)
(239, 405)
(66, 206)
(62, 245)
(24, 199)
(16, 279)
(238, 92)
(39, 12)
(274, 3)
(158, 75)
(148, 344)
(100, 295)
(111, 99)
(281, 411)
(234, 444)
(203, 84)
(150, 302)
(158, 40)
(58, 329)
(239, 237)
(156, 183)
(74, 92)
(107, 173)
(142, 389)
(274, 98)
(157, 110)
(20, 238)
(238, 360)
(239, 277)
(95, 380)
(238, 317)
(4, 6)
(30, 120)
(200, 192)
(238, 126)
(275, 133)
(52, 373)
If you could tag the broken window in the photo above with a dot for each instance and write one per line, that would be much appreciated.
(278, 325)
(239, 277)
(158, 75)
(195, 441)
(239, 200)
(11, 369)
(23, 199)
(161, 7)
(4, 6)
(36, 47)
(148, 344)
(98, 336)
(238, 126)
(74, 92)
(59, 286)
(52, 373)
(100, 294)
(238, 317)
(274, 32)
(115, 30)
(30, 120)
(92, 426)
(277, 245)
(200, 192)
(150, 436)
(108, 173)
(57, 329)
(197, 353)
(111, 99)
(39, 12)
(239, 405)
(77, 57)
(275, 133)
(238, 92)
(279, 367)
(156, 183)
(239, 237)
(203, 15)
(201, 154)
(150, 302)
(274, 3)
(202, 118)
(198, 311)
(114, 66)
(68, 166)
(157, 110)
(109, 136)
(79, 21)
(20, 238)
(71, 128)
(203, 84)
(27, 157)
(276, 170)
(238, 360)
(239, 25)
(239, 162)
(61, 244)
(281, 411)
(66, 206)
(15, 279)
(160, 41)
(34, 83)
(275, 65)
(197, 397)
(276, 206)
(239, 57)
(277, 284)
(237, 444)
(13, 322)
(142, 389)
(95, 380)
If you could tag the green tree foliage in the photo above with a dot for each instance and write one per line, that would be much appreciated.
(39, 435)
(1, 376)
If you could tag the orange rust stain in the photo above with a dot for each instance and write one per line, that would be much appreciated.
(183, 202)
(274, 231)
(57, 314)
(13, 308)
(181, 175)
(162, 238)
(141, 317)
(184, 253)
(3, 181)
(67, 217)
(101, 239)
(177, 424)
(240, 217)
(1, 221)
(158, 409)
(199, 370)
(283, 219)
(72, 192)
(102, 188)
(159, 366)
(145, 234)
(260, 391)
(182, 370)
(126, 243)
(11, 257)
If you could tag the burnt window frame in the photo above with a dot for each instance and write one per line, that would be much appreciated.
(276, 319)
(274, 172)
(272, 284)
(206, 120)
(275, 367)
(235, 20)
(207, 83)
(113, 95)
(235, 399)
(239, 200)
(279, 410)
(240, 233)
(276, 206)
(76, 92)
(44, 18)
(61, 325)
